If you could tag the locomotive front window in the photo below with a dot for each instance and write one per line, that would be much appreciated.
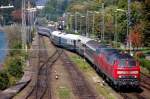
(127, 63)
(122, 63)
(131, 63)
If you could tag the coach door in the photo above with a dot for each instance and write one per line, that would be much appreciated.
(59, 41)
(74, 45)
(79, 47)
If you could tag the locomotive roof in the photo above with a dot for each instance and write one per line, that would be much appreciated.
(123, 56)
(110, 50)
(95, 45)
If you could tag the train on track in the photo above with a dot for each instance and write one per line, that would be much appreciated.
(118, 68)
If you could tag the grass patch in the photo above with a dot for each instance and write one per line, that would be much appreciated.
(104, 92)
(145, 63)
(64, 93)
(85, 67)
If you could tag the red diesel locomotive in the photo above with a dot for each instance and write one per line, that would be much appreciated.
(120, 69)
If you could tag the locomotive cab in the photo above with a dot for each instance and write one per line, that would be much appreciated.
(126, 71)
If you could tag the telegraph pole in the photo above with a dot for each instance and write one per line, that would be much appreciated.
(71, 23)
(87, 23)
(116, 32)
(76, 23)
(80, 25)
(81, 22)
(93, 29)
(67, 21)
(28, 22)
(23, 30)
(103, 23)
(129, 44)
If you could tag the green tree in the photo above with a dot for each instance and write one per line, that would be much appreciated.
(140, 15)
(15, 68)
(147, 23)
(55, 8)
(4, 80)
(4, 2)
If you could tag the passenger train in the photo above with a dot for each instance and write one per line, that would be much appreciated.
(118, 68)
(44, 31)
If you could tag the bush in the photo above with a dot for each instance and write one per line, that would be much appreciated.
(15, 68)
(139, 54)
(4, 80)
(145, 63)
(16, 46)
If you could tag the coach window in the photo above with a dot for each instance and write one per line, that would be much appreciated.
(84, 48)
(92, 51)
(89, 51)
(97, 51)
(131, 63)
(111, 60)
(71, 42)
(79, 43)
(108, 58)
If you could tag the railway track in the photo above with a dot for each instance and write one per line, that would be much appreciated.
(81, 88)
(42, 87)
(83, 91)
(142, 92)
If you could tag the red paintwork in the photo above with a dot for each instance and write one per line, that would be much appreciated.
(111, 70)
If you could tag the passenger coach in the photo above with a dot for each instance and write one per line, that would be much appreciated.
(68, 41)
(44, 31)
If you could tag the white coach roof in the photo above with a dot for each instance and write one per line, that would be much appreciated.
(57, 33)
(71, 36)
(84, 39)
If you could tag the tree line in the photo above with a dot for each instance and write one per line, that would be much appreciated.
(139, 23)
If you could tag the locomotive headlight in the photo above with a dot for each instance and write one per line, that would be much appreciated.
(121, 72)
(135, 76)
(127, 72)
(134, 72)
